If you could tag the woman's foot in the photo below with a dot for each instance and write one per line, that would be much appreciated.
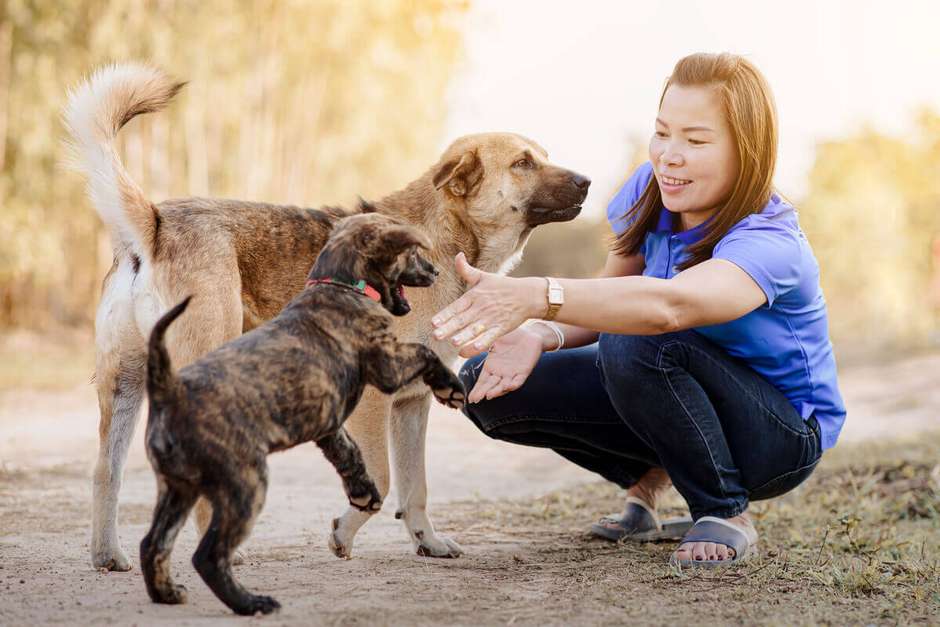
(712, 551)
(639, 521)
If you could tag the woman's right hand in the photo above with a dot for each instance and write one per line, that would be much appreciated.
(508, 364)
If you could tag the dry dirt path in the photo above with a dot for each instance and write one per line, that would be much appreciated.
(48, 444)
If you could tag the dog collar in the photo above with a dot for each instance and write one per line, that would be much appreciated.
(361, 286)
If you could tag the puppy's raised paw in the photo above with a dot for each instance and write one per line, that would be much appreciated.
(453, 397)
(367, 501)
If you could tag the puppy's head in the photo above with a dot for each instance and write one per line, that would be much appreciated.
(382, 251)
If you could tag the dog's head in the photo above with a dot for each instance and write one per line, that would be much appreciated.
(506, 180)
(382, 251)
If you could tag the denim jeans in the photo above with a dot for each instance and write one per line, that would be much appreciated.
(725, 435)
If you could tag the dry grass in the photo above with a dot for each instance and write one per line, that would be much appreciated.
(859, 542)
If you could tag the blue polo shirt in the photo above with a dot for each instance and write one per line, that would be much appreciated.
(786, 340)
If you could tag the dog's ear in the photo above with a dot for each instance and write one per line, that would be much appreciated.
(460, 175)
(365, 206)
(398, 238)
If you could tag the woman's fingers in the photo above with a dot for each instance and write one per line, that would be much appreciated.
(452, 318)
(483, 385)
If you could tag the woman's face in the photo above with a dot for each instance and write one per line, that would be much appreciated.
(693, 153)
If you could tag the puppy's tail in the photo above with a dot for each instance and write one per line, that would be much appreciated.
(96, 111)
(161, 381)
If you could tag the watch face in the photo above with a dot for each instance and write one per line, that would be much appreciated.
(556, 296)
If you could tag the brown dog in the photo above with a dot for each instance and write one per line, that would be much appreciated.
(294, 379)
(244, 261)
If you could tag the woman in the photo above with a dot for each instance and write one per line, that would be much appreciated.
(701, 355)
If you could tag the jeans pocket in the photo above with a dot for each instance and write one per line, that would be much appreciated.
(782, 484)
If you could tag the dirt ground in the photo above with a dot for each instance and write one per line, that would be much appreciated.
(858, 543)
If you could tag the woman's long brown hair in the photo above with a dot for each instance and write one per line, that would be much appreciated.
(749, 108)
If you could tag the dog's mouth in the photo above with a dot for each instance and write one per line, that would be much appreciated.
(543, 215)
(400, 304)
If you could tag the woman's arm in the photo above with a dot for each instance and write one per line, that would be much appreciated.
(712, 292)
(615, 266)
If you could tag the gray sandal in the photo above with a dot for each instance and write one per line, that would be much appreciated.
(639, 523)
(719, 531)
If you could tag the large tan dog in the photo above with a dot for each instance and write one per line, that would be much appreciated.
(245, 261)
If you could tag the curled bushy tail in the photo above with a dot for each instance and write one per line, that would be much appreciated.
(161, 381)
(96, 111)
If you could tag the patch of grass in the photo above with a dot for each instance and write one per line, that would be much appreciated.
(857, 542)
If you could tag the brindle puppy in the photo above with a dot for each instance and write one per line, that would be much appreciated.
(292, 380)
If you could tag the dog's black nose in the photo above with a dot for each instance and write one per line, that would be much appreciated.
(581, 182)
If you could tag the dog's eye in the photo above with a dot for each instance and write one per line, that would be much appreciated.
(522, 163)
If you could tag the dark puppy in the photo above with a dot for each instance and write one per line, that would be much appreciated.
(293, 380)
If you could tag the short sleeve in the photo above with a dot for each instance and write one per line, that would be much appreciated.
(627, 197)
(769, 252)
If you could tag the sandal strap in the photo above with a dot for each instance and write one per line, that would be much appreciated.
(711, 529)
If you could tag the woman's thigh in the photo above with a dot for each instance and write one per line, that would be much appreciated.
(685, 379)
(562, 401)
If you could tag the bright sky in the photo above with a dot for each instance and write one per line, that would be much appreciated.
(583, 77)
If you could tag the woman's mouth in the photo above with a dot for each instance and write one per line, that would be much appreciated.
(672, 184)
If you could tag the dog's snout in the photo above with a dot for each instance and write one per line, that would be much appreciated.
(581, 182)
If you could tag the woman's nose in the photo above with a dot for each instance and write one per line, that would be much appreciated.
(671, 157)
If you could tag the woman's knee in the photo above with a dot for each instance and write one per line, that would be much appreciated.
(476, 412)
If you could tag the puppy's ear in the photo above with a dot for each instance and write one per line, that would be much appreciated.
(398, 238)
(460, 175)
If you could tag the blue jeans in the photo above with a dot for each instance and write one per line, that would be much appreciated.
(619, 407)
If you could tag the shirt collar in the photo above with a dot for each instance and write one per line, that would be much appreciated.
(665, 225)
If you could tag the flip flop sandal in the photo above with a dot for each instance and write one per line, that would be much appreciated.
(639, 523)
(711, 529)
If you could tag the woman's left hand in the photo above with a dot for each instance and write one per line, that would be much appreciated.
(494, 306)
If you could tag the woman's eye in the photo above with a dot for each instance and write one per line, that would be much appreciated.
(697, 142)
(659, 134)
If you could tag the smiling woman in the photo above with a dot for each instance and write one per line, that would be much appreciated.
(700, 357)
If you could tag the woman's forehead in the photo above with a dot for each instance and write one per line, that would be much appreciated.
(692, 106)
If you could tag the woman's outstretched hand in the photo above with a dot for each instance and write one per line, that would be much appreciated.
(508, 364)
(494, 306)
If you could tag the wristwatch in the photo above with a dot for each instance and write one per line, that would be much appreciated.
(555, 296)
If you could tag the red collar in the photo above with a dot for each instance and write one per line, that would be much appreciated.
(361, 286)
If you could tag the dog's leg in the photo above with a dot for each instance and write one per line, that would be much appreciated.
(235, 506)
(367, 427)
(119, 375)
(169, 515)
(408, 426)
(343, 453)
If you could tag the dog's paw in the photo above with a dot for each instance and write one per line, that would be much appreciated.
(175, 594)
(113, 559)
(340, 549)
(437, 546)
(452, 396)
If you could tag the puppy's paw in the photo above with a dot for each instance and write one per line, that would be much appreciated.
(110, 559)
(263, 605)
(436, 546)
(174, 594)
(366, 498)
(453, 397)
(342, 550)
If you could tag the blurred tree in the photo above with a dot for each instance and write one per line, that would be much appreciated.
(288, 101)
(872, 213)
